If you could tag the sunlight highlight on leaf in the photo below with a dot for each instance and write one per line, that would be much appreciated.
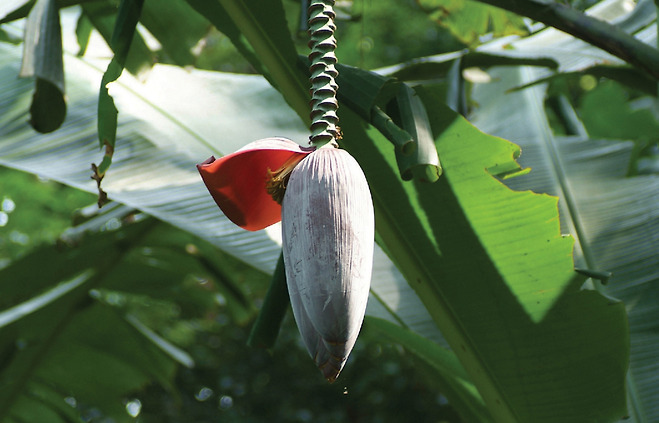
(19, 311)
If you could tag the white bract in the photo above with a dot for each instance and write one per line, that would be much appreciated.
(328, 230)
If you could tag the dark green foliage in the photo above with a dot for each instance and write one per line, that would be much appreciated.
(24, 203)
(236, 384)
(623, 118)
(101, 360)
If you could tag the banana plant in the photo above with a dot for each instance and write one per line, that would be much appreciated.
(485, 266)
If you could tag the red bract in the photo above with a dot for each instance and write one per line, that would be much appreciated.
(237, 182)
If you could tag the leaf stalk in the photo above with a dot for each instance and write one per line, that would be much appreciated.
(596, 32)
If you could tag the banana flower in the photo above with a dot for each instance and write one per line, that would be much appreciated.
(325, 206)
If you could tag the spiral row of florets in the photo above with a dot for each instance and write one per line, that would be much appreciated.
(324, 120)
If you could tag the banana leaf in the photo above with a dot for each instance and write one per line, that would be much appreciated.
(613, 217)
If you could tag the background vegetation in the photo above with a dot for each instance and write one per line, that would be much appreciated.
(140, 311)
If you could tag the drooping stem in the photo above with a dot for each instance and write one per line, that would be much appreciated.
(324, 120)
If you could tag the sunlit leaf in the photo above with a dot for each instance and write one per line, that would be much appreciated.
(612, 217)
(482, 250)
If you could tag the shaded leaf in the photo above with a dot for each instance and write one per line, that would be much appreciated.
(9, 9)
(264, 27)
(592, 27)
(48, 108)
(362, 90)
(42, 59)
(448, 372)
(438, 66)
(44, 321)
(66, 334)
(275, 305)
(626, 75)
(103, 16)
(618, 120)
(84, 29)
(573, 54)
(215, 13)
(177, 26)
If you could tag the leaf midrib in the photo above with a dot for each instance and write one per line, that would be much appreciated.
(435, 303)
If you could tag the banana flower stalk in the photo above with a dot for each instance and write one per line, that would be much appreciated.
(324, 203)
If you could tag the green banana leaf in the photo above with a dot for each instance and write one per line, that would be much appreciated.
(613, 217)
(43, 60)
(588, 175)
(516, 282)
(469, 20)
